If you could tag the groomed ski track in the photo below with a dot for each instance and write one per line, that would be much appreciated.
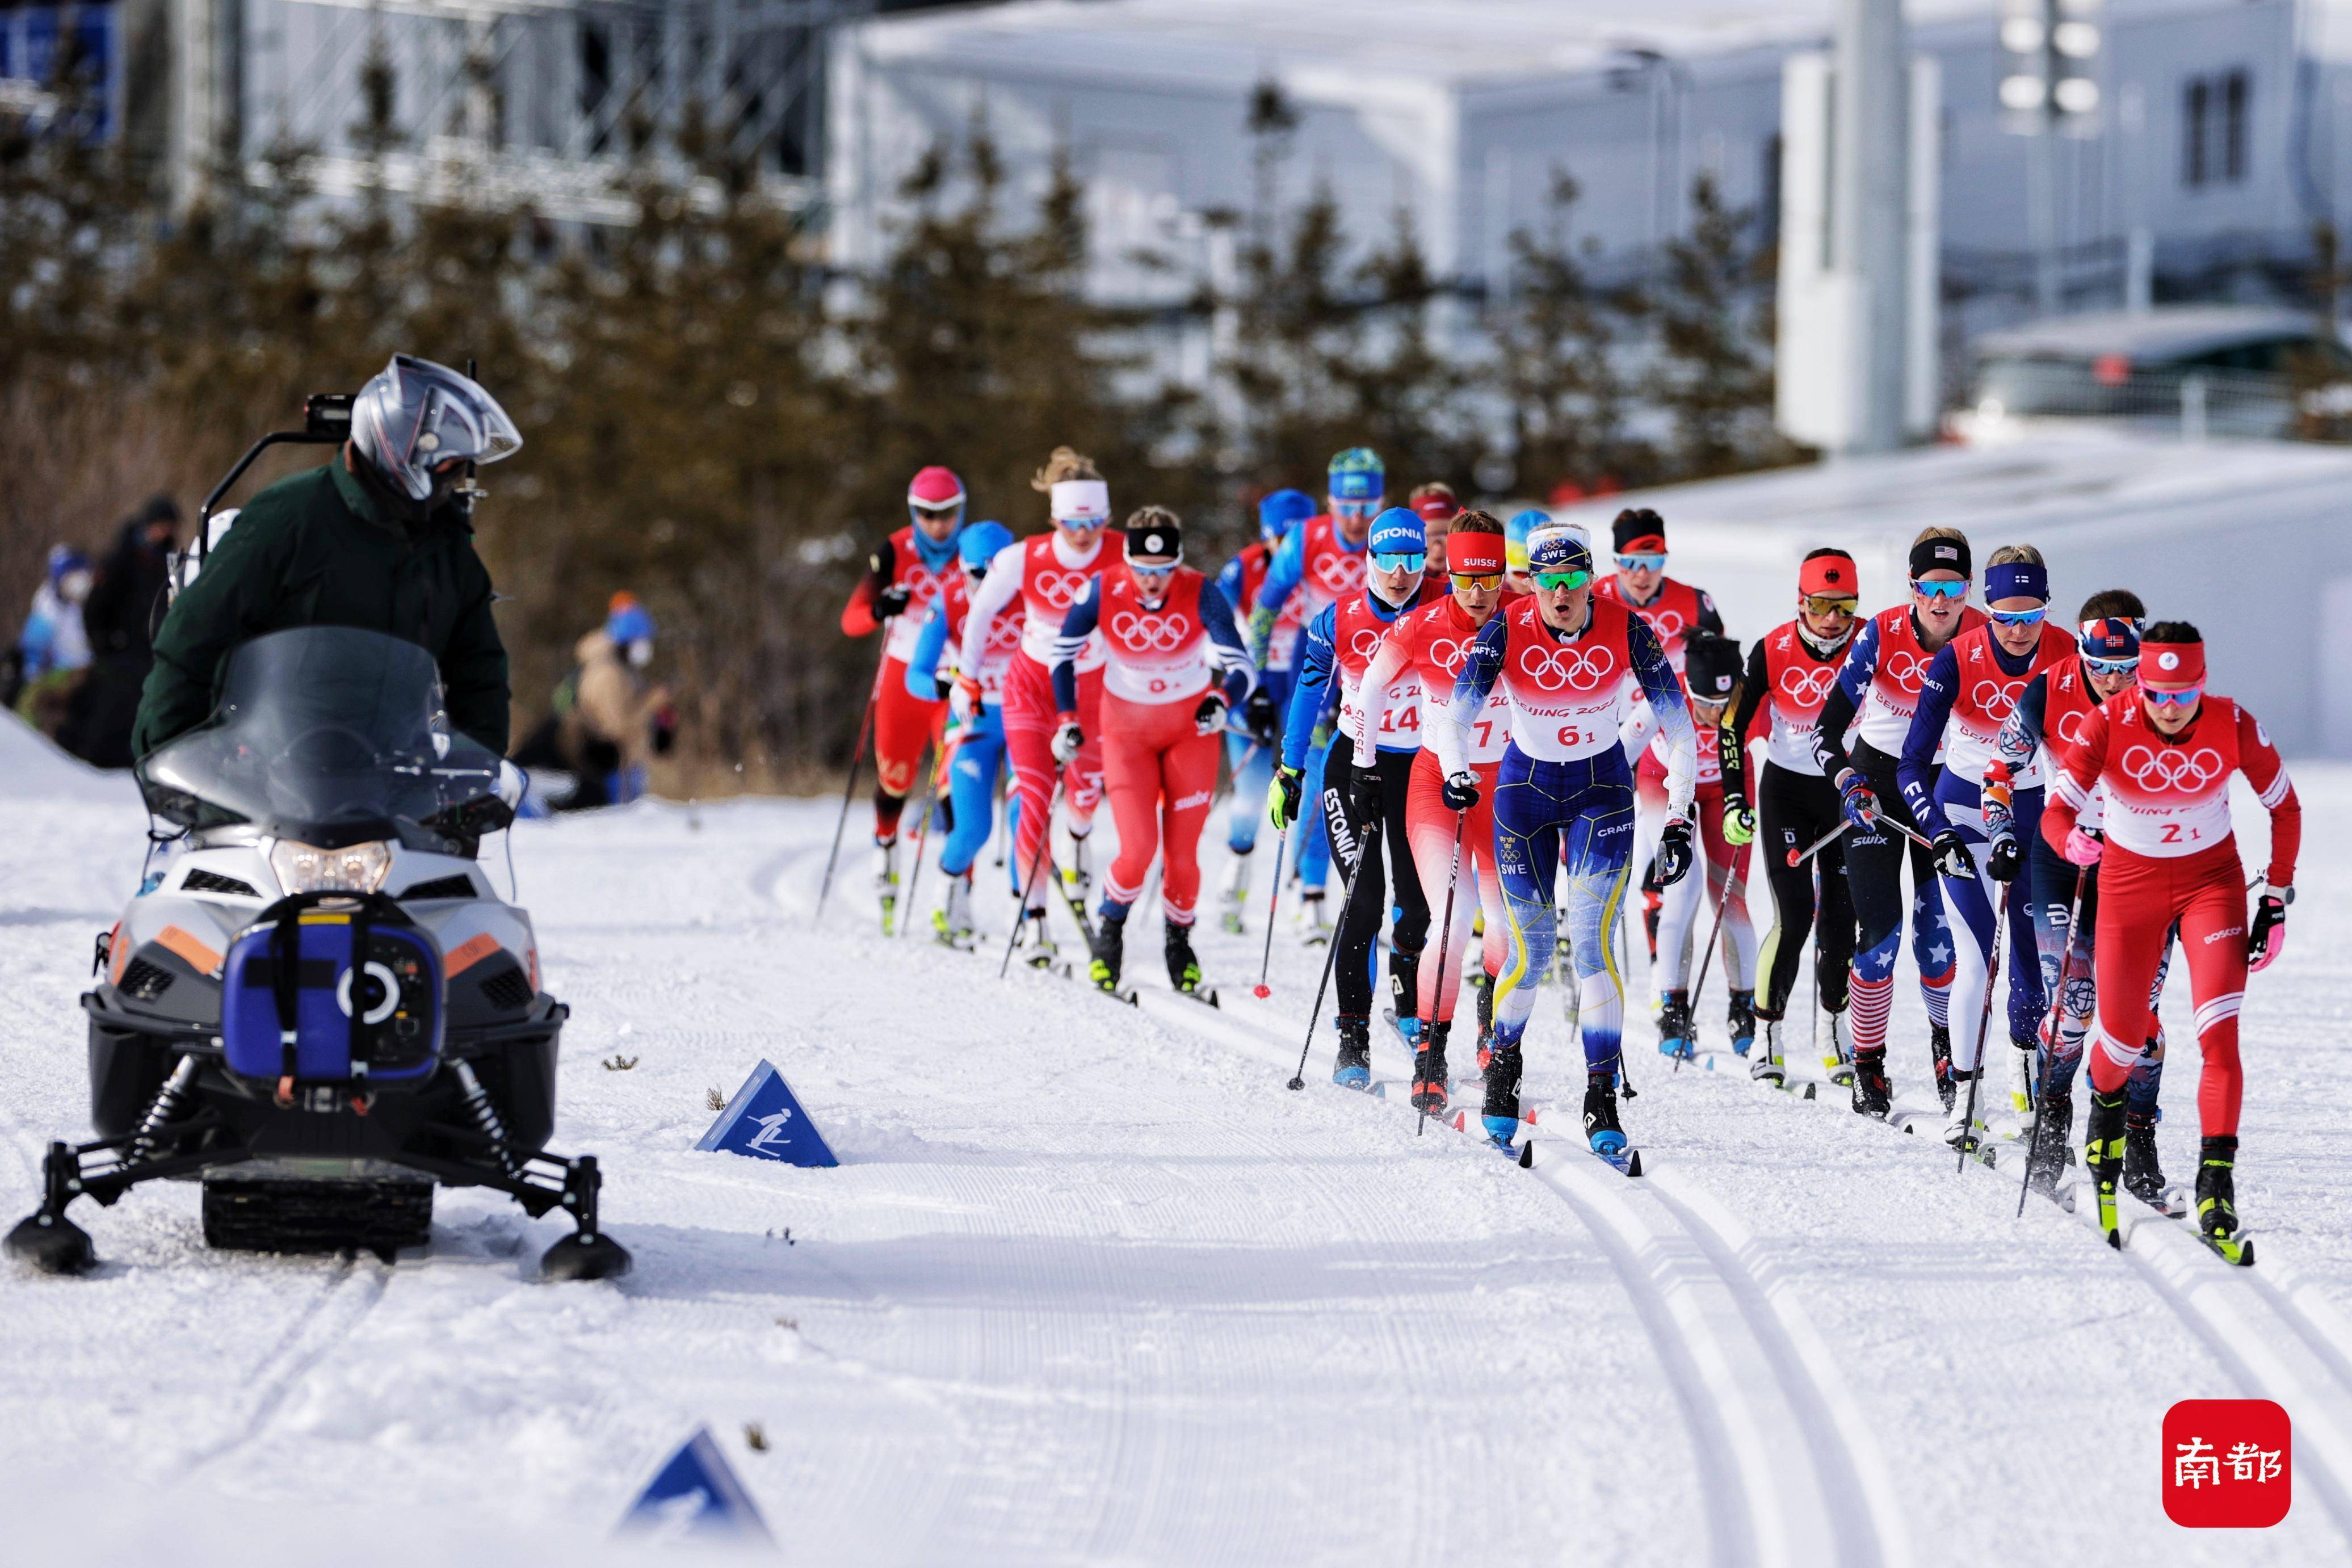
(1091, 1286)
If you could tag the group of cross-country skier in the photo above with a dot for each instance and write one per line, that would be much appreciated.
(1496, 735)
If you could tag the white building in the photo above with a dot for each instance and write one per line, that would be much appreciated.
(2213, 139)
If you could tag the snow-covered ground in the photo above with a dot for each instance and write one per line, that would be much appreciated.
(1091, 1286)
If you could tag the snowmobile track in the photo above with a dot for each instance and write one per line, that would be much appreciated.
(1774, 1432)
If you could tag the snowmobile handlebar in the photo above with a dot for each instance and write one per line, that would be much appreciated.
(326, 421)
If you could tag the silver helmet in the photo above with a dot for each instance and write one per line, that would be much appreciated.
(415, 416)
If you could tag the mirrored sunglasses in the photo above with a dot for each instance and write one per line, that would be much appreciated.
(2019, 617)
(1370, 509)
(1832, 603)
(1400, 561)
(2181, 698)
(2111, 666)
(1955, 590)
(1478, 581)
(1641, 563)
(1577, 578)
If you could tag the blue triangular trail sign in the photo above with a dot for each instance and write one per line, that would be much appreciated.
(695, 1495)
(765, 1121)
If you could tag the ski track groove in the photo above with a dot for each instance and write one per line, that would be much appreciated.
(331, 1316)
(1709, 1318)
(1134, 1454)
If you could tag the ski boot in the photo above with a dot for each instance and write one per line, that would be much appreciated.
(1873, 1095)
(1037, 942)
(1960, 1124)
(1836, 1047)
(1353, 1069)
(1677, 1038)
(1939, 1048)
(951, 920)
(1500, 1114)
(2217, 1199)
(2049, 1155)
(1109, 955)
(1429, 1071)
(2103, 1156)
(1601, 1128)
(1183, 966)
(1315, 930)
(1234, 899)
(885, 884)
(1742, 1021)
(2143, 1170)
(1768, 1065)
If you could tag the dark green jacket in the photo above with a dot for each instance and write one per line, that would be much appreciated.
(318, 550)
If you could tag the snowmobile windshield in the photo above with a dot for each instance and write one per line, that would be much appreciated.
(329, 734)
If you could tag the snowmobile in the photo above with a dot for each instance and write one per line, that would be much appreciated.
(319, 1007)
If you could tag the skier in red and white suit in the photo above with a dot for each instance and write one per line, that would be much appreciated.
(1428, 645)
(1676, 612)
(1174, 666)
(901, 583)
(2164, 752)
(1048, 573)
(1710, 678)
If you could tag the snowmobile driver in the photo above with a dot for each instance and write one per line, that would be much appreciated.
(380, 538)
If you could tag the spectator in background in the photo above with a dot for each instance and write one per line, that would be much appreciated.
(54, 648)
(120, 616)
(605, 721)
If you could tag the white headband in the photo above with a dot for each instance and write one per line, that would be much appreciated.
(1084, 501)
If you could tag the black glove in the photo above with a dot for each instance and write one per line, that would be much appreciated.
(947, 813)
(1259, 713)
(1951, 853)
(2001, 864)
(1289, 789)
(2267, 940)
(1364, 796)
(1210, 716)
(889, 602)
(1460, 790)
(1674, 861)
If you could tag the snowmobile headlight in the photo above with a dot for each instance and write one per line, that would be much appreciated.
(306, 868)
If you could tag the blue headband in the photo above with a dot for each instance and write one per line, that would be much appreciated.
(2115, 637)
(2016, 580)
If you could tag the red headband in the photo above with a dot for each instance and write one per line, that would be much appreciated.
(2171, 666)
(1828, 574)
(1648, 544)
(1473, 555)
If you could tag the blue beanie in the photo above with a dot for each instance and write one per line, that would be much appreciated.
(628, 622)
(1281, 511)
(979, 543)
(1398, 531)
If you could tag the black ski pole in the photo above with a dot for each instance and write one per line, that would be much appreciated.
(2049, 1031)
(1984, 1022)
(849, 789)
(1029, 887)
(1444, 940)
(1273, 902)
(1347, 902)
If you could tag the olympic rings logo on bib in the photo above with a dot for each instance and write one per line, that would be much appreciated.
(1904, 668)
(1667, 623)
(2153, 769)
(1994, 696)
(1552, 668)
(1340, 574)
(1808, 688)
(1059, 589)
(1155, 634)
(1447, 653)
(2072, 726)
(1364, 644)
(1004, 636)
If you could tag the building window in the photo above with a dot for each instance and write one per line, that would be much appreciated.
(2215, 112)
